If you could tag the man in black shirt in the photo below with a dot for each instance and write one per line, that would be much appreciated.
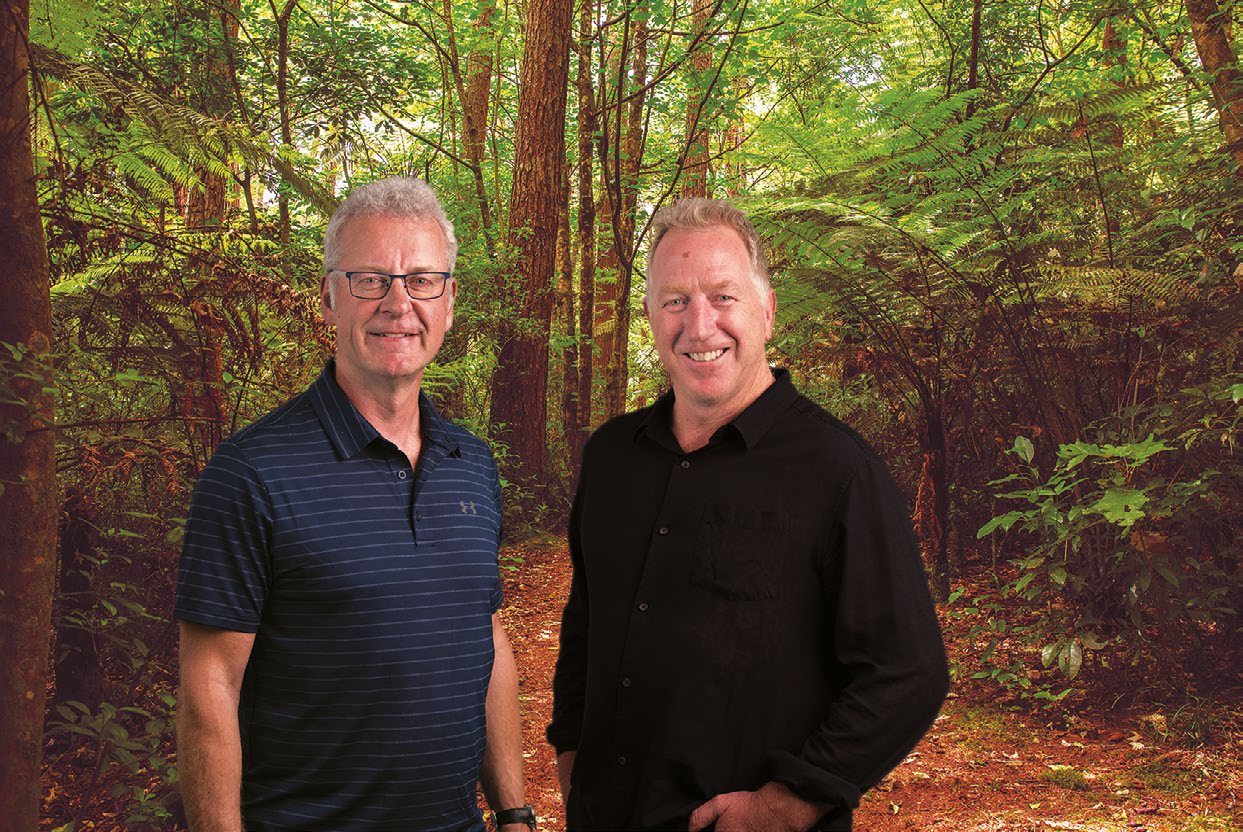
(749, 641)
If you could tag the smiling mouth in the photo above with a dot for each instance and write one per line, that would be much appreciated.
(705, 356)
(394, 334)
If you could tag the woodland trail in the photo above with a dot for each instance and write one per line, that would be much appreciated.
(982, 768)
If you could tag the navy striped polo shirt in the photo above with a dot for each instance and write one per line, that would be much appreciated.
(370, 589)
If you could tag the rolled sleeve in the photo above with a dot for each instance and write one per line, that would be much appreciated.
(886, 643)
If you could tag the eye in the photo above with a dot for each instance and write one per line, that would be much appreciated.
(722, 298)
(420, 281)
(675, 302)
(367, 281)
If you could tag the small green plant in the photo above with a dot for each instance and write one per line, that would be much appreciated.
(133, 738)
(1067, 777)
(1115, 550)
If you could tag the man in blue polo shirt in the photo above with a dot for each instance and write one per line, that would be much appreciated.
(342, 663)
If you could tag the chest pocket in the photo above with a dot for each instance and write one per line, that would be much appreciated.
(735, 548)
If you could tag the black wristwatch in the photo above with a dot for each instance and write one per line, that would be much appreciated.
(523, 814)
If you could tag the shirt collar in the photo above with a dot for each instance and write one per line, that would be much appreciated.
(750, 425)
(350, 432)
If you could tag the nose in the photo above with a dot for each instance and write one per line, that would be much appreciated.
(701, 320)
(397, 302)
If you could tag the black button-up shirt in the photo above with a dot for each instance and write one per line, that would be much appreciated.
(753, 611)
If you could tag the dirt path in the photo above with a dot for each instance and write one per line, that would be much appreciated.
(981, 768)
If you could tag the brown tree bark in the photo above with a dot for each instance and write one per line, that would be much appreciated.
(1210, 28)
(520, 385)
(79, 674)
(282, 16)
(587, 126)
(1113, 47)
(207, 207)
(474, 93)
(566, 318)
(622, 146)
(28, 503)
(932, 499)
(735, 171)
(695, 172)
(203, 402)
(973, 60)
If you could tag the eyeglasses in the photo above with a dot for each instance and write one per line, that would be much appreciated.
(375, 285)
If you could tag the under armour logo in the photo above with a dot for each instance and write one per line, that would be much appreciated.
(468, 508)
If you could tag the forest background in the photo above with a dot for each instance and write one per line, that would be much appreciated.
(1006, 249)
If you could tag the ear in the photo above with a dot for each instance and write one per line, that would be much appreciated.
(770, 313)
(647, 311)
(451, 292)
(325, 300)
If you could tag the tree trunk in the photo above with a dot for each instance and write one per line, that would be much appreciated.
(203, 404)
(932, 502)
(282, 103)
(1210, 28)
(28, 504)
(695, 181)
(973, 61)
(474, 95)
(586, 236)
(567, 320)
(622, 155)
(1113, 57)
(79, 675)
(735, 170)
(520, 385)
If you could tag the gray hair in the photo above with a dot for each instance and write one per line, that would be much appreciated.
(698, 214)
(403, 197)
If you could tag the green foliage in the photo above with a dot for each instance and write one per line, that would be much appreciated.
(1068, 777)
(132, 738)
(1120, 534)
(21, 370)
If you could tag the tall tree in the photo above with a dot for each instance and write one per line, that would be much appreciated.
(520, 385)
(473, 92)
(28, 505)
(204, 405)
(587, 126)
(622, 143)
(695, 181)
(1210, 28)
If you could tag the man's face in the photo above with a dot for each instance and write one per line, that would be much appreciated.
(381, 342)
(709, 319)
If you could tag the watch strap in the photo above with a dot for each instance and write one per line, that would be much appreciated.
(521, 814)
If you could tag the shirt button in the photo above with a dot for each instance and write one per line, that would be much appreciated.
(401, 475)
(686, 463)
(663, 530)
(621, 761)
(626, 682)
(643, 606)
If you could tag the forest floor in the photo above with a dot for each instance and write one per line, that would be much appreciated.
(988, 763)
(982, 767)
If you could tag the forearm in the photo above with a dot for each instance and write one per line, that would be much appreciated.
(565, 770)
(209, 762)
(501, 774)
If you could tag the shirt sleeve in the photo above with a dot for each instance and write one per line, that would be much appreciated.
(569, 681)
(884, 640)
(224, 569)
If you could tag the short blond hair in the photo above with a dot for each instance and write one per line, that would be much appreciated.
(697, 214)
